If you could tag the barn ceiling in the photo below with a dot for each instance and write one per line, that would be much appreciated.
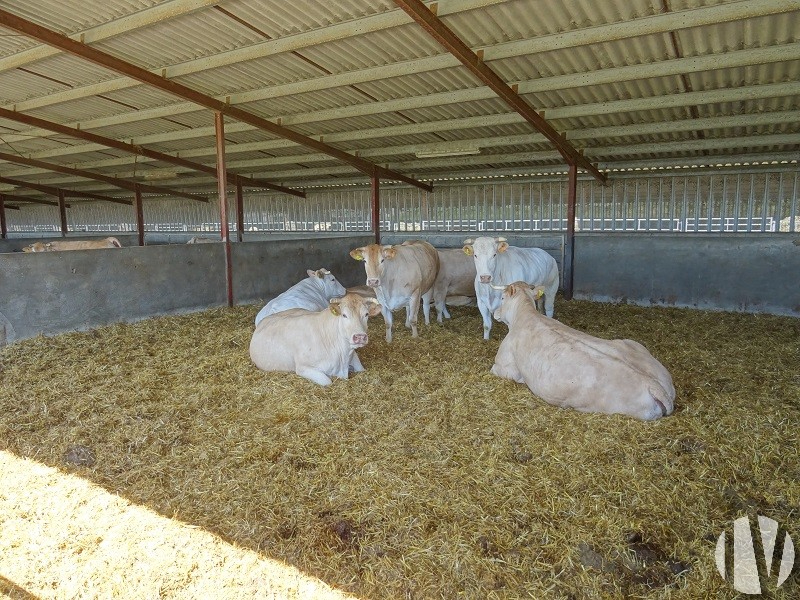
(623, 84)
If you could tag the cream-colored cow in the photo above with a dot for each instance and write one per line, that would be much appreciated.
(401, 276)
(569, 368)
(58, 245)
(316, 345)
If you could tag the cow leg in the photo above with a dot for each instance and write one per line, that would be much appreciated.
(355, 363)
(550, 299)
(413, 312)
(505, 366)
(487, 319)
(314, 375)
(387, 317)
(426, 306)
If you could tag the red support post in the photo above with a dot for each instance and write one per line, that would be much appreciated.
(139, 214)
(375, 204)
(222, 183)
(62, 213)
(239, 212)
(3, 225)
(569, 242)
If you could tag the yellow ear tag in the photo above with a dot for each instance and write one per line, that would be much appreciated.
(335, 309)
(539, 294)
(357, 255)
(467, 250)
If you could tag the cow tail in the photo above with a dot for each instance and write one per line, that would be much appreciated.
(115, 242)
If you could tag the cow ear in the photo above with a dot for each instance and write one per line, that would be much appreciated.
(468, 242)
(502, 246)
(311, 273)
(511, 290)
(335, 308)
(389, 252)
(357, 253)
(538, 291)
(467, 250)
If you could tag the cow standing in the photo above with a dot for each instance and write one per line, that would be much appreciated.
(402, 276)
(58, 245)
(497, 262)
(312, 293)
(316, 345)
(569, 368)
(456, 278)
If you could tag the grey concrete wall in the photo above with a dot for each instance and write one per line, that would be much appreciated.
(740, 272)
(53, 292)
(262, 270)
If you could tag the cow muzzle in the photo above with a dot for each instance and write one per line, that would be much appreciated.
(486, 279)
(373, 282)
(360, 339)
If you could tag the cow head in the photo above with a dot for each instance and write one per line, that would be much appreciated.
(485, 251)
(329, 284)
(513, 294)
(352, 312)
(374, 257)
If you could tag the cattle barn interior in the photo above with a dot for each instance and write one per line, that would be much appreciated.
(650, 146)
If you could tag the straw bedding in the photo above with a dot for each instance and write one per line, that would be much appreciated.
(426, 476)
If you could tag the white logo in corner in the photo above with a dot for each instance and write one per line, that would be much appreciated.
(745, 567)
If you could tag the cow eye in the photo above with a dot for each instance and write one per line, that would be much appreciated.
(345, 315)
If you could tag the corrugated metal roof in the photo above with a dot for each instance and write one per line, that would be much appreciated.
(626, 81)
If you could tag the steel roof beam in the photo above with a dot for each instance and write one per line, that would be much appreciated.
(648, 25)
(140, 151)
(56, 191)
(788, 89)
(113, 63)
(33, 200)
(125, 185)
(472, 61)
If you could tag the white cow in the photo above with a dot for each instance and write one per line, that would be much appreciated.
(456, 278)
(401, 276)
(58, 245)
(316, 345)
(569, 368)
(497, 262)
(312, 293)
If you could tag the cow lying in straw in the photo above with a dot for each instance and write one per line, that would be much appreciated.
(315, 345)
(109, 242)
(569, 368)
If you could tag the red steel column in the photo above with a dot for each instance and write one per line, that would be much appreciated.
(222, 183)
(375, 204)
(3, 226)
(569, 242)
(239, 212)
(62, 213)
(139, 214)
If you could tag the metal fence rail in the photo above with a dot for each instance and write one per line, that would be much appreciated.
(684, 202)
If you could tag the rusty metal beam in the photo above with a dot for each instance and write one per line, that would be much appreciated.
(55, 191)
(569, 242)
(375, 205)
(57, 40)
(33, 200)
(219, 128)
(121, 183)
(3, 227)
(453, 44)
(139, 150)
(62, 215)
(239, 213)
(137, 202)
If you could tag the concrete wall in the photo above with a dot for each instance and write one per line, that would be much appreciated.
(740, 272)
(53, 292)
